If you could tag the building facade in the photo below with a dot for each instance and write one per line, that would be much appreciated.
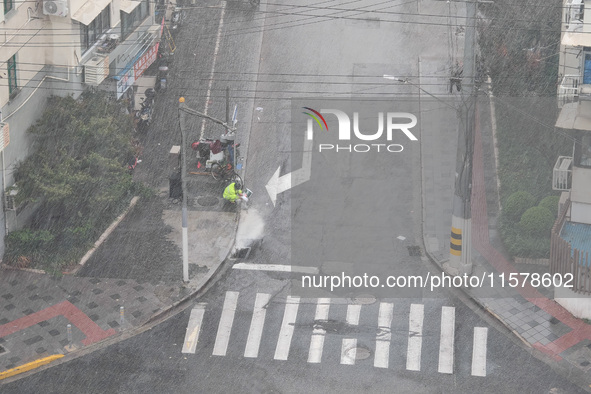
(570, 254)
(62, 47)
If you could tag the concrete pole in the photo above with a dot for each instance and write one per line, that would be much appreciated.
(185, 236)
(460, 260)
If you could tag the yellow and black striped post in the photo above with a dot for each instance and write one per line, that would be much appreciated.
(455, 242)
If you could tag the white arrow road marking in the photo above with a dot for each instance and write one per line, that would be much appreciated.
(277, 184)
(193, 327)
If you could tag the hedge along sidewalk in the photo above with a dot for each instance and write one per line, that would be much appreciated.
(103, 237)
(90, 252)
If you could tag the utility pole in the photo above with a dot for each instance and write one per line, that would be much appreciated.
(460, 259)
(185, 230)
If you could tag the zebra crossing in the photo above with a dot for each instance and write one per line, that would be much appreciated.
(382, 339)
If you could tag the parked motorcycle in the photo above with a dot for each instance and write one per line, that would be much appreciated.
(176, 19)
(144, 114)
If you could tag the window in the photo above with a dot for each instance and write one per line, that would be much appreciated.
(12, 81)
(91, 33)
(8, 6)
(132, 20)
(583, 150)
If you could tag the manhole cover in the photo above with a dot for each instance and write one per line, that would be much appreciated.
(360, 353)
(364, 299)
(207, 201)
(414, 250)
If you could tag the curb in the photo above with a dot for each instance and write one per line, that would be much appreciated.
(202, 284)
(29, 366)
(91, 251)
(103, 237)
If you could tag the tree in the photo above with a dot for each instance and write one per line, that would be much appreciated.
(78, 171)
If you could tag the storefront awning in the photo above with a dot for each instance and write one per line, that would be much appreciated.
(128, 5)
(90, 10)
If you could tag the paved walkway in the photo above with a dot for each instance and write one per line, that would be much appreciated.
(529, 312)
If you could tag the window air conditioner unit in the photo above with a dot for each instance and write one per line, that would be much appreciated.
(96, 69)
(9, 204)
(55, 7)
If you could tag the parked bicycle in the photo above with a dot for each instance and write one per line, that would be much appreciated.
(224, 171)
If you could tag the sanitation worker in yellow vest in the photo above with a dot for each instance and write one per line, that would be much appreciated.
(233, 192)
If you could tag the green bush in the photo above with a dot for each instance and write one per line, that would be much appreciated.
(516, 204)
(550, 202)
(537, 221)
(25, 246)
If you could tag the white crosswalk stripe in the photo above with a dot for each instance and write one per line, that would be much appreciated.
(193, 328)
(384, 335)
(287, 326)
(327, 325)
(446, 340)
(256, 326)
(349, 346)
(415, 337)
(479, 351)
(317, 341)
(226, 321)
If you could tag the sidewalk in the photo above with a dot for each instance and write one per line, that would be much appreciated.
(42, 315)
(530, 313)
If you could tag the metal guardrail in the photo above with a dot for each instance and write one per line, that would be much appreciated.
(568, 90)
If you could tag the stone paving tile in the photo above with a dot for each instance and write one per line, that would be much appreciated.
(99, 299)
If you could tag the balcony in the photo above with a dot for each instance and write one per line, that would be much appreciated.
(574, 14)
(576, 24)
(568, 90)
(562, 173)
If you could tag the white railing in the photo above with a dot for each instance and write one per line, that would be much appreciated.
(568, 90)
(574, 12)
(561, 175)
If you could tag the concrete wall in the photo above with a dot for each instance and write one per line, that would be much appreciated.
(577, 304)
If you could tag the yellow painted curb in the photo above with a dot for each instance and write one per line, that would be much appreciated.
(29, 366)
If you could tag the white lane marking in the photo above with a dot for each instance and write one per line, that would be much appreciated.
(349, 351)
(287, 326)
(225, 327)
(212, 74)
(256, 325)
(479, 351)
(384, 335)
(317, 341)
(446, 340)
(415, 337)
(353, 312)
(349, 347)
(275, 267)
(193, 328)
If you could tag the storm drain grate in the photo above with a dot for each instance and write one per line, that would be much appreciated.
(241, 253)
(414, 250)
